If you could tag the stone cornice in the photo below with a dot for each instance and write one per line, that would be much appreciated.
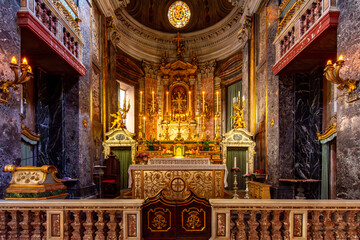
(216, 42)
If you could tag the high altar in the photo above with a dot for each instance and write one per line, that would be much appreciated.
(179, 146)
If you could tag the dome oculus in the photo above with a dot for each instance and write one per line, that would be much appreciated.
(179, 14)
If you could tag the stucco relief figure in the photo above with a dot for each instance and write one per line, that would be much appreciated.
(120, 116)
(239, 115)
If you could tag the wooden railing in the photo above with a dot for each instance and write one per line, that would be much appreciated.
(297, 21)
(285, 219)
(70, 219)
(60, 17)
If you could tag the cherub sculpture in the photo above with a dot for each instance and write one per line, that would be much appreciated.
(239, 116)
(120, 116)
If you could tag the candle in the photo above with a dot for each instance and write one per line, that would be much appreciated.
(203, 101)
(217, 101)
(167, 101)
(234, 162)
(24, 61)
(13, 60)
(243, 99)
(189, 102)
(141, 93)
(247, 162)
(153, 100)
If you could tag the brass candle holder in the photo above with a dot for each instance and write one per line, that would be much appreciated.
(332, 74)
(25, 75)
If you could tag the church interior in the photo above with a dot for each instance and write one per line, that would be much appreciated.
(239, 117)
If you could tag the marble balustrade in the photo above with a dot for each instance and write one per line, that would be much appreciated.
(284, 219)
(70, 219)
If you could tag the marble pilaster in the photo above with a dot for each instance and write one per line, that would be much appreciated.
(348, 117)
(10, 141)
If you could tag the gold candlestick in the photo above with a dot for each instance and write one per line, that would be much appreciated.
(217, 126)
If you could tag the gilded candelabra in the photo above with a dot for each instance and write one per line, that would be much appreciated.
(140, 127)
(152, 113)
(217, 126)
(332, 74)
(25, 75)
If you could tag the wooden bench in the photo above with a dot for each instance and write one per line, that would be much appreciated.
(259, 190)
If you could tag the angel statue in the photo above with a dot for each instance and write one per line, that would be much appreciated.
(120, 116)
(239, 118)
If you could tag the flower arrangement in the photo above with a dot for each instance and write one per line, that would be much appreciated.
(207, 143)
(150, 143)
(142, 158)
(235, 169)
(259, 171)
(192, 152)
(247, 175)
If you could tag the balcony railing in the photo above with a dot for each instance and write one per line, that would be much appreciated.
(285, 219)
(70, 219)
(60, 17)
(298, 20)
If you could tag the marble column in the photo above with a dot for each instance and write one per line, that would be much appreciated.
(348, 115)
(10, 141)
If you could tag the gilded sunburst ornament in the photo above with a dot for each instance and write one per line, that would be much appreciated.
(179, 14)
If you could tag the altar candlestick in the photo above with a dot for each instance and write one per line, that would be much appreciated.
(189, 102)
(217, 101)
(167, 101)
(234, 162)
(141, 93)
(144, 127)
(203, 101)
(153, 100)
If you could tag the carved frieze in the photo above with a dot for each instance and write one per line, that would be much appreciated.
(151, 69)
(207, 69)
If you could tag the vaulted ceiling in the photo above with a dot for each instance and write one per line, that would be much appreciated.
(153, 13)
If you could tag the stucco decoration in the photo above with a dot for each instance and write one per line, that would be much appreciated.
(239, 138)
(120, 138)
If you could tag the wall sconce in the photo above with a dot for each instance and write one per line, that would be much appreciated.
(331, 72)
(25, 75)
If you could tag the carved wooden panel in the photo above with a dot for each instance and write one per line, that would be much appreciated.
(171, 219)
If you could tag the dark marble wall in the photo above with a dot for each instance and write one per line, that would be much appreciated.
(10, 147)
(308, 121)
(49, 120)
(300, 118)
(348, 116)
(286, 126)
